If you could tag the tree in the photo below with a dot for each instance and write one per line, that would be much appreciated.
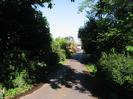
(65, 45)
(24, 40)
(87, 34)
(113, 22)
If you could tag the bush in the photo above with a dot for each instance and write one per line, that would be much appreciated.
(129, 50)
(20, 79)
(61, 54)
(118, 69)
(91, 68)
(19, 84)
(64, 47)
(56, 47)
(14, 91)
(21, 68)
(12, 63)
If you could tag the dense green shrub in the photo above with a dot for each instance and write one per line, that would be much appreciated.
(61, 54)
(20, 84)
(56, 47)
(91, 68)
(129, 50)
(20, 69)
(20, 79)
(64, 47)
(118, 69)
(12, 63)
(12, 92)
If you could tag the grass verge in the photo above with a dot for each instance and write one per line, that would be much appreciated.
(91, 68)
(9, 94)
(62, 62)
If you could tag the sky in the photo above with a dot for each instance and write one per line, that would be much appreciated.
(64, 19)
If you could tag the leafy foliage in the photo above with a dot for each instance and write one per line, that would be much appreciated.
(91, 68)
(88, 36)
(25, 45)
(22, 26)
(110, 26)
(129, 50)
(117, 69)
(56, 47)
(64, 47)
(14, 91)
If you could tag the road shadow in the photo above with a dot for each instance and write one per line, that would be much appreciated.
(81, 57)
(83, 82)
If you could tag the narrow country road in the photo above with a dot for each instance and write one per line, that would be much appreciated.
(70, 82)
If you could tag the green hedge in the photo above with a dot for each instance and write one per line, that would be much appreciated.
(117, 69)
